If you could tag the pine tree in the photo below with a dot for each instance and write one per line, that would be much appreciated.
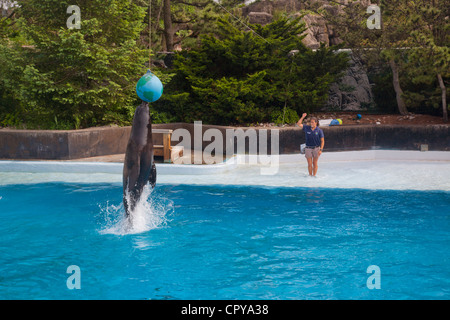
(182, 21)
(236, 76)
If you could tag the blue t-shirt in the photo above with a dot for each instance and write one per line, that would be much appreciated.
(313, 136)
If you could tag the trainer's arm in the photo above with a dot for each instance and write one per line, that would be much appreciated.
(322, 144)
(299, 122)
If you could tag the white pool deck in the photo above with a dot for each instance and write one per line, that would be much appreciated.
(369, 169)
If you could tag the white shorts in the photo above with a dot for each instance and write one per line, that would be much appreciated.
(312, 153)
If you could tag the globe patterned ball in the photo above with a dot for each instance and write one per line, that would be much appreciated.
(149, 88)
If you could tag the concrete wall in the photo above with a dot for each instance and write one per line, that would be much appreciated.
(65, 145)
(62, 145)
(346, 138)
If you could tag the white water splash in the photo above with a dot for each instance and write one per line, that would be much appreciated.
(149, 213)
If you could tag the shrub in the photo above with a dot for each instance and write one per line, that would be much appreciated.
(236, 77)
(285, 116)
(76, 77)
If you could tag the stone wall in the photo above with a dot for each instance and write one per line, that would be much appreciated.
(354, 91)
(66, 145)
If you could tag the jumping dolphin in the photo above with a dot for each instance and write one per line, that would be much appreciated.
(138, 167)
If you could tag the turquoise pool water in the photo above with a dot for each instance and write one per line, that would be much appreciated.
(223, 242)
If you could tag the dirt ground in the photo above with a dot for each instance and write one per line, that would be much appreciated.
(350, 118)
(415, 119)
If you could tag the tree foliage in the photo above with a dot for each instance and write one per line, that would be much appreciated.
(59, 78)
(413, 41)
(236, 77)
(430, 53)
(65, 78)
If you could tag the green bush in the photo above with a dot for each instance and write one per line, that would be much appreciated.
(73, 78)
(285, 116)
(237, 77)
(55, 78)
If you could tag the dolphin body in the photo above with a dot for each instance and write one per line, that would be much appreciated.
(138, 167)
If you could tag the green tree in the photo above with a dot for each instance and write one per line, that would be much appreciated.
(180, 22)
(236, 77)
(349, 20)
(77, 77)
(413, 41)
(11, 60)
(430, 52)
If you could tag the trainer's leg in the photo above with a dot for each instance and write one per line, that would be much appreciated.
(310, 166)
(315, 167)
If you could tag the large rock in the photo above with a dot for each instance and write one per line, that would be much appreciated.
(354, 91)
(316, 32)
(258, 6)
(261, 18)
(6, 7)
(271, 6)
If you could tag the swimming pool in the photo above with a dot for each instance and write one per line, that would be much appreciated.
(231, 240)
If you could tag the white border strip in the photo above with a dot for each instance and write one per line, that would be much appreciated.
(111, 168)
(364, 155)
(230, 164)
